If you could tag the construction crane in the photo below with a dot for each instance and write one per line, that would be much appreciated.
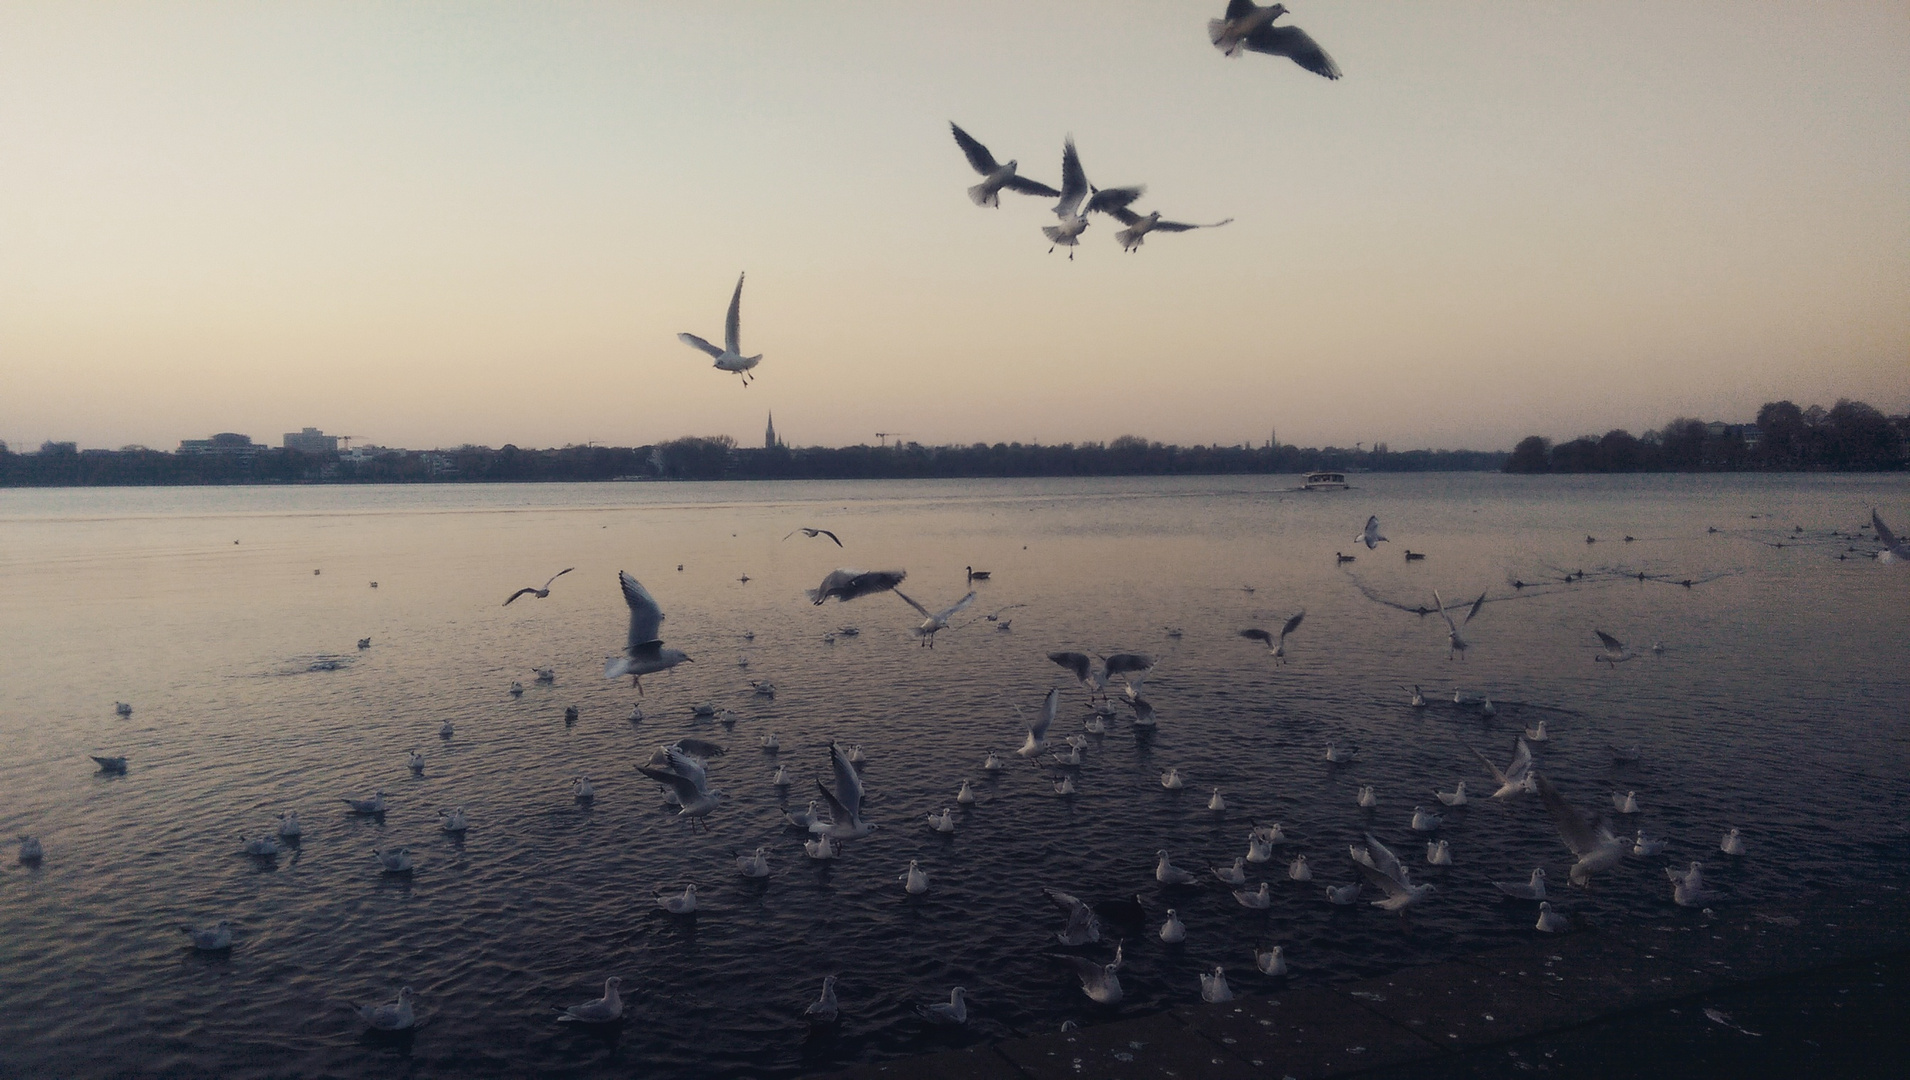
(882, 437)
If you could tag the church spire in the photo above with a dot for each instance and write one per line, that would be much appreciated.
(769, 433)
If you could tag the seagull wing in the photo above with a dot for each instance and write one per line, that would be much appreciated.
(646, 618)
(1108, 200)
(695, 342)
(1580, 832)
(520, 592)
(1049, 705)
(1441, 605)
(557, 575)
(1123, 663)
(733, 325)
(1884, 535)
(1182, 226)
(1240, 9)
(1384, 860)
(1474, 609)
(1074, 182)
(926, 613)
(1078, 663)
(1125, 216)
(978, 156)
(685, 788)
(1612, 645)
(958, 607)
(830, 535)
(1380, 880)
(1498, 774)
(1292, 624)
(1030, 187)
(1521, 766)
(848, 782)
(1257, 634)
(1295, 44)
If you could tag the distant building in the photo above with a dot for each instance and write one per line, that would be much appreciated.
(770, 441)
(311, 441)
(53, 449)
(224, 444)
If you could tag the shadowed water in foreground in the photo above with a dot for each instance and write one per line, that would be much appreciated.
(1774, 708)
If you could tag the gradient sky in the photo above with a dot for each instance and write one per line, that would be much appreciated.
(435, 223)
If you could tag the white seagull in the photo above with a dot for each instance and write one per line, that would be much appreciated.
(1084, 926)
(289, 827)
(1293, 43)
(914, 880)
(1173, 931)
(1075, 192)
(1214, 989)
(534, 590)
(601, 1010)
(1298, 870)
(1537, 734)
(1167, 873)
(1455, 797)
(1626, 803)
(683, 903)
(1587, 836)
(1644, 847)
(845, 803)
(1370, 534)
(1530, 890)
(935, 621)
(453, 820)
(1232, 875)
(394, 862)
(1343, 895)
(1687, 888)
(1098, 981)
(1894, 549)
(952, 1011)
(821, 848)
(687, 778)
(643, 653)
(1383, 869)
(1611, 650)
(1037, 731)
(392, 1015)
(1271, 964)
(1425, 820)
(1276, 646)
(943, 822)
(730, 357)
(1514, 779)
(755, 864)
(1732, 844)
(1438, 854)
(965, 797)
(823, 1009)
(373, 805)
(1139, 225)
(215, 938)
(995, 177)
(1456, 645)
(1259, 901)
(1550, 922)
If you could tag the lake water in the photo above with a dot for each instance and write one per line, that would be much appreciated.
(1777, 706)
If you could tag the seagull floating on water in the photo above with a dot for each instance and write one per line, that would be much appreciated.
(122, 708)
(823, 1009)
(263, 847)
(1418, 701)
(822, 847)
(415, 763)
(1167, 873)
(1232, 875)
(1732, 844)
(1687, 887)
(1425, 820)
(1438, 854)
(1171, 780)
(1455, 797)
(1343, 895)
(1530, 890)
(601, 1010)
(966, 796)
(1298, 870)
(392, 1015)
(289, 827)
(683, 903)
(1259, 848)
(30, 850)
(1259, 901)
(781, 777)
(952, 1011)
(1214, 989)
(730, 357)
(446, 730)
(643, 652)
(1338, 756)
(109, 764)
(1367, 799)
(1065, 786)
(1173, 931)
(581, 790)
(1272, 964)
(1537, 734)
(1550, 922)
(991, 763)
(914, 880)
(214, 938)
(394, 862)
(517, 688)
(1626, 803)
(373, 805)
(943, 822)
(1643, 847)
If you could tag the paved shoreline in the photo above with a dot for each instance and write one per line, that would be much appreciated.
(1818, 984)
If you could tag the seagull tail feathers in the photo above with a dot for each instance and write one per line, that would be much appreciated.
(616, 666)
(980, 195)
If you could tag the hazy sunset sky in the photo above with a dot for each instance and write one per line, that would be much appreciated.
(434, 223)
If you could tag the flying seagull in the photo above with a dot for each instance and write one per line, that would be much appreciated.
(1079, 199)
(1456, 645)
(995, 177)
(845, 803)
(730, 357)
(1278, 647)
(1588, 836)
(846, 584)
(1229, 32)
(1516, 778)
(1611, 650)
(813, 533)
(644, 653)
(1894, 549)
(934, 621)
(1293, 43)
(534, 590)
(1139, 225)
(1370, 534)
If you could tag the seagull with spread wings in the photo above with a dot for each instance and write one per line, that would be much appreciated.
(1276, 646)
(813, 533)
(730, 357)
(644, 653)
(1139, 225)
(1289, 41)
(1587, 835)
(1079, 199)
(534, 590)
(1515, 778)
(1243, 17)
(934, 621)
(847, 583)
(845, 803)
(1456, 645)
(1611, 650)
(995, 177)
(1894, 549)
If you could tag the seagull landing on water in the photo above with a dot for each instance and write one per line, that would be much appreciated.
(995, 177)
(845, 803)
(1098, 981)
(1611, 650)
(1456, 645)
(1079, 199)
(1139, 225)
(1516, 778)
(1276, 646)
(1894, 549)
(1038, 731)
(935, 621)
(1587, 836)
(730, 357)
(644, 653)
(531, 589)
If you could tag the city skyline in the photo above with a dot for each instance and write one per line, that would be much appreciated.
(434, 226)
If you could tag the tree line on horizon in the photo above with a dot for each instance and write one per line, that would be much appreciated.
(713, 458)
(1848, 436)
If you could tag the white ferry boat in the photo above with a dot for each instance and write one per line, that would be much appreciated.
(1325, 481)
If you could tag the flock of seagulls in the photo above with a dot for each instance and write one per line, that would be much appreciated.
(837, 817)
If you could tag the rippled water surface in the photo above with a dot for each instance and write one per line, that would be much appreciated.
(1777, 706)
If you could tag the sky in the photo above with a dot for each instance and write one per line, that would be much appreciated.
(428, 224)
